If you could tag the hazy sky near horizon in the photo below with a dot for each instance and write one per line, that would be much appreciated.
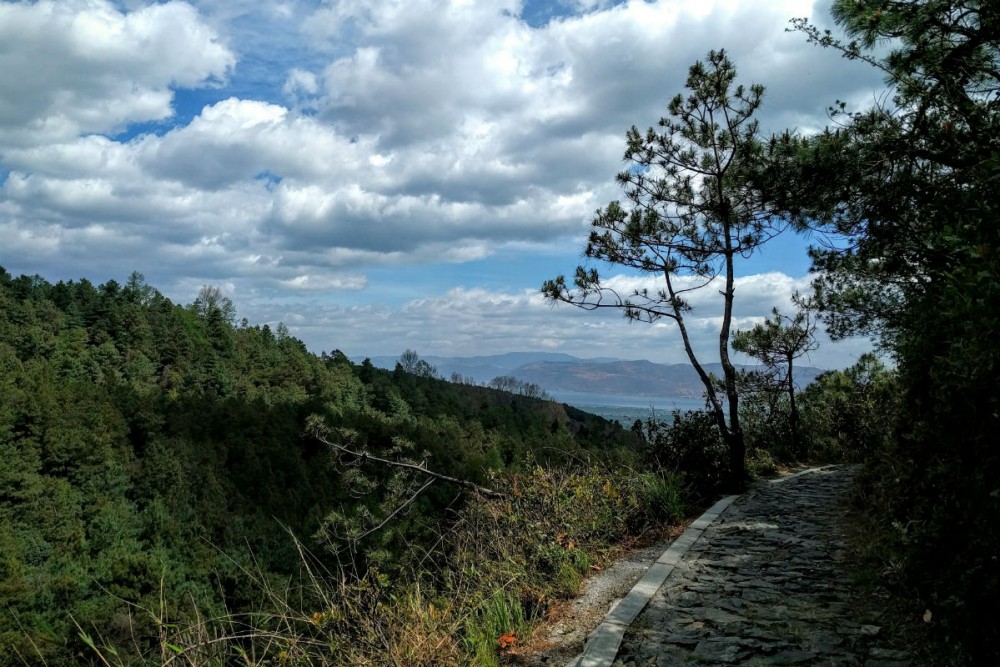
(378, 175)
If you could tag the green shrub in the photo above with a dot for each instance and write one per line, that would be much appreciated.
(766, 421)
(690, 445)
(850, 415)
(760, 462)
(663, 495)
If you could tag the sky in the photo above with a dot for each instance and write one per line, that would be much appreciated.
(380, 175)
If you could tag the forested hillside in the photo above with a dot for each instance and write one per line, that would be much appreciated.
(172, 489)
(154, 459)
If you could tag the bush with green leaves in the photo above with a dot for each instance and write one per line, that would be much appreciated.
(691, 446)
(850, 415)
(909, 185)
(766, 420)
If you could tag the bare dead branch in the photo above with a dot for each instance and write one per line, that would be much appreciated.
(415, 467)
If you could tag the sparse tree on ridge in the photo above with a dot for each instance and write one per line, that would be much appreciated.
(210, 298)
(513, 385)
(410, 362)
(458, 378)
(692, 211)
(506, 383)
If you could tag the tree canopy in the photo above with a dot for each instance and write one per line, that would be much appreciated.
(910, 184)
(693, 209)
(777, 342)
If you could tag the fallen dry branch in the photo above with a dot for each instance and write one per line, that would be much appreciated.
(363, 456)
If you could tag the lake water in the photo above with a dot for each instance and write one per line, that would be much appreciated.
(626, 409)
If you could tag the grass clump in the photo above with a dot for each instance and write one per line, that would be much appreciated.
(494, 628)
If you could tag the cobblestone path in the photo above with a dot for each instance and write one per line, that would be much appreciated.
(765, 585)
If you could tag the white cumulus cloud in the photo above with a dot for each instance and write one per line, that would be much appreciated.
(297, 149)
(72, 67)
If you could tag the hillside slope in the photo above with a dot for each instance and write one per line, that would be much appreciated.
(154, 459)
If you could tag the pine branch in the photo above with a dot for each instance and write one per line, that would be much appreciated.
(420, 468)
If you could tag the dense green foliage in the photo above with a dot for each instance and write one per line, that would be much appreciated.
(849, 415)
(154, 460)
(912, 186)
(777, 342)
(688, 444)
(845, 416)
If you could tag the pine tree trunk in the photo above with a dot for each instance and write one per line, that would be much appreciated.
(794, 416)
(738, 477)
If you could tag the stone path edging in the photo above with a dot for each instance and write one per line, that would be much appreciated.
(604, 642)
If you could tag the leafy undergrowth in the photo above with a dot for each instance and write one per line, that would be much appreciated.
(877, 575)
(495, 571)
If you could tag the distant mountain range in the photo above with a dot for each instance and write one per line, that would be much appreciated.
(554, 371)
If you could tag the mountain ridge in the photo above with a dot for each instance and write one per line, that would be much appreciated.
(557, 371)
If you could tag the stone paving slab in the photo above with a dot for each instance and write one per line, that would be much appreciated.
(603, 644)
(766, 583)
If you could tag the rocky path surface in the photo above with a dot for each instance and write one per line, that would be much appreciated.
(766, 584)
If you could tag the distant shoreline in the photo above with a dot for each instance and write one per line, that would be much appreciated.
(626, 409)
